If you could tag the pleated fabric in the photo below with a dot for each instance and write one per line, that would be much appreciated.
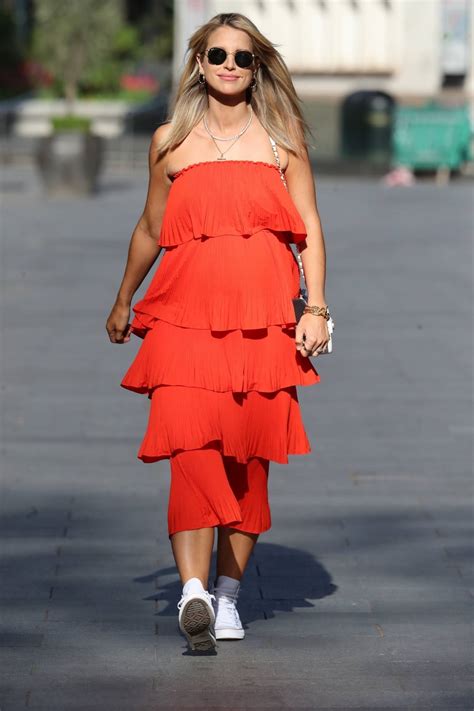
(218, 359)
(207, 490)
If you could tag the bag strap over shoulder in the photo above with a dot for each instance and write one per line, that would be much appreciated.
(297, 255)
(277, 158)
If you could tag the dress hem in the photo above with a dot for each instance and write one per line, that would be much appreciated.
(241, 459)
(149, 390)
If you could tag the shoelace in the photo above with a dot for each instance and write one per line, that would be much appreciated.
(230, 605)
(185, 597)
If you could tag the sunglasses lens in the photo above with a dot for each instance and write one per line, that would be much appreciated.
(243, 59)
(216, 55)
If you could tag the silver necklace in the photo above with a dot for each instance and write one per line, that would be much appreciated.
(234, 139)
(228, 138)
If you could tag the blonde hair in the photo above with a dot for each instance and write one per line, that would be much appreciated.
(275, 102)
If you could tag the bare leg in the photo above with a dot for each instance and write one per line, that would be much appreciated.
(249, 483)
(192, 552)
(233, 551)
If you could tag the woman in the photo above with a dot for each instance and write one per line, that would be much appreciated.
(222, 354)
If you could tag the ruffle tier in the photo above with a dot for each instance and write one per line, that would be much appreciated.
(244, 425)
(260, 359)
(237, 203)
(233, 282)
(218, 359)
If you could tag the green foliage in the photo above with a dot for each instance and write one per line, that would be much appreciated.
(156, 31)
(74, 39)
(161, 47)
(104, 77)
(71, 122)
(88, 47)
(101, 78)
(127, 42)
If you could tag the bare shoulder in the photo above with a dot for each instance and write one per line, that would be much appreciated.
(161, 134)
(299, 170)
(159, 166)
(158, 184)
(299, 160)
(261, 139)
(301, 184)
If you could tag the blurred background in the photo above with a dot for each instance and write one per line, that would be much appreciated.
(360, 596)
(387, 85)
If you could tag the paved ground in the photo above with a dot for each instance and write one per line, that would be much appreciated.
(360, 596)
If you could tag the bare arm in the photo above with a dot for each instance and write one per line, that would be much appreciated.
(144, 248)
(301, 186)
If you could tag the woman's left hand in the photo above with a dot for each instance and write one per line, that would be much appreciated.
(311, 335)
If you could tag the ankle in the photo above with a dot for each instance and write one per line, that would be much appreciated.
(226, 585)
(193, 585)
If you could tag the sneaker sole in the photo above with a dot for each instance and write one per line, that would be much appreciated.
(230, 634)
(196, 624)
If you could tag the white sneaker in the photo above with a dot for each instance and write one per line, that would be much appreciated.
(227, 623)
(196, 620)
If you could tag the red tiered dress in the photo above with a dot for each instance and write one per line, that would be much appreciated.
(218, 358)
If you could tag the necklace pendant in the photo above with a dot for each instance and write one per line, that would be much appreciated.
(222, 158)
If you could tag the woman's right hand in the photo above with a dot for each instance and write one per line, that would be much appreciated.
(118, 326)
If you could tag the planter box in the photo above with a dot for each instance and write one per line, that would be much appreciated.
(32, 117)
(69, 162)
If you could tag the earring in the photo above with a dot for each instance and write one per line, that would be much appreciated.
(253, 83)
(201, 79)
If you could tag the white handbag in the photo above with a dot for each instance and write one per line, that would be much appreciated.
(301, 301)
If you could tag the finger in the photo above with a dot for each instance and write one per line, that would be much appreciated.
(299, 336)
(321, 347)
(301, 344)
(119, 335)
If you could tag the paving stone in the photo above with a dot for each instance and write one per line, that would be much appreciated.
(17, 639)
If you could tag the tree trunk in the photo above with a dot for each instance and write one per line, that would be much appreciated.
(70, 94)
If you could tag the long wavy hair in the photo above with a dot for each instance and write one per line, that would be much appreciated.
(275, 102)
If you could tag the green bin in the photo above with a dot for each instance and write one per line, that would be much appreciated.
(432, 136)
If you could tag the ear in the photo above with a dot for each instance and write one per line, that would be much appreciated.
(198, 60)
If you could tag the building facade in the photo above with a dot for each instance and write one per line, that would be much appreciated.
(411, 49)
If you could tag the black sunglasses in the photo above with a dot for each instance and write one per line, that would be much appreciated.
(217, 55)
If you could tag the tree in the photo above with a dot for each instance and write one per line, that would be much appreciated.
(73, 38)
